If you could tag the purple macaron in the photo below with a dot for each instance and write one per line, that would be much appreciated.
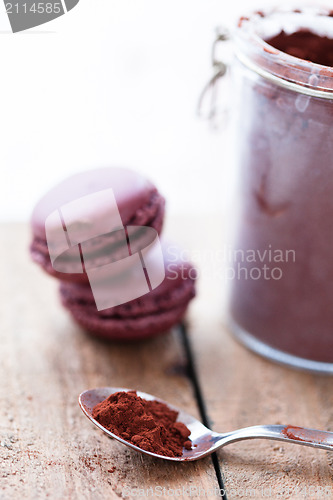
(138, 201)
(149, 315)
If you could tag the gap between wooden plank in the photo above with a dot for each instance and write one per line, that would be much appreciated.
(200, 399)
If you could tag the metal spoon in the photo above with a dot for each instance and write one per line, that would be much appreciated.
(205, 441)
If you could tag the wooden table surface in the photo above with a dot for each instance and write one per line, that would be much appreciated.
(48, 448)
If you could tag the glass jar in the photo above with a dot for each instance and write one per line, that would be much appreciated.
(281, 302)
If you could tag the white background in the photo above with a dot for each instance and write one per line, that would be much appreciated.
(113, 82)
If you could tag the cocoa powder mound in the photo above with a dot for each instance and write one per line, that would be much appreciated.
(150, 425)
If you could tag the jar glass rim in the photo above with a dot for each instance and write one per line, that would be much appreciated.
(284, 69)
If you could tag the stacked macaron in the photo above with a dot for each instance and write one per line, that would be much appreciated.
(97, 232)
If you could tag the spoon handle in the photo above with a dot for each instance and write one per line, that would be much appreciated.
(290, 433)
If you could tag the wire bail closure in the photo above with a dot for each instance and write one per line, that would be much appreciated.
(220, 69)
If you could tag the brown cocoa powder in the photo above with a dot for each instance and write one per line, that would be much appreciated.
(150, 425)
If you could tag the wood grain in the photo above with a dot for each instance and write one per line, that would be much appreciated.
(48, 448)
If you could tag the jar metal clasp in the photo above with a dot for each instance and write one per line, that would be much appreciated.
(220, 69)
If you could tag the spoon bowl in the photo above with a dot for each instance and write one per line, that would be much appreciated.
(201, 437)
(205, 441)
